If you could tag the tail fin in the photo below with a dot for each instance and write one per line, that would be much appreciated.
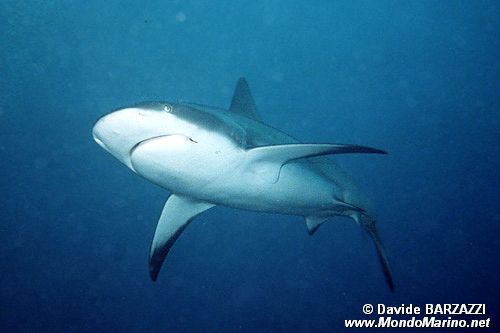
(368, 224)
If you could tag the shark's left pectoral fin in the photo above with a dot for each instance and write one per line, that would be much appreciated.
(285, 153)
(177, 213)
(268, 160)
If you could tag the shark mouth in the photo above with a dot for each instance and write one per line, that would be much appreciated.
(140, 143)
(154, 138)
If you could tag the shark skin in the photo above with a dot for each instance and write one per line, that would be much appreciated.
(207, 156)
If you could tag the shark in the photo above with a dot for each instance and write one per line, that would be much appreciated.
(207, 156)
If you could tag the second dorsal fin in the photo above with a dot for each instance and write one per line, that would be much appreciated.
(242, 102)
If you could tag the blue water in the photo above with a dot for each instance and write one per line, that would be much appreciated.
(419, 79)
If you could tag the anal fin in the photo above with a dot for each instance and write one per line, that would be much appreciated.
(313, 223)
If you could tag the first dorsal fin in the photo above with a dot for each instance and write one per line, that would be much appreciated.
(242, 102)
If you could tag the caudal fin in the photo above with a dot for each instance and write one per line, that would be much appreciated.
(369, 225)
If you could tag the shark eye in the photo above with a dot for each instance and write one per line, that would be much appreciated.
(167, 107)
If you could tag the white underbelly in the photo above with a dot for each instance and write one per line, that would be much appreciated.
(221, 176)
(298, 191)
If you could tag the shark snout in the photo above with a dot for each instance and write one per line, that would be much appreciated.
(109, 128)
(118, 132)
(97, 133)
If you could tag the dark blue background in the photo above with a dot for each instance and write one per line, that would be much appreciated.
(419, 79)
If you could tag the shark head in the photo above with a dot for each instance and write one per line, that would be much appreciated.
(123, 129)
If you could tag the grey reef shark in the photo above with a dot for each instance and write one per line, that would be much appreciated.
(207, 156)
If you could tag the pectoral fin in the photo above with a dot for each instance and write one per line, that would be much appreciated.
(175, 217)
(267, 161)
